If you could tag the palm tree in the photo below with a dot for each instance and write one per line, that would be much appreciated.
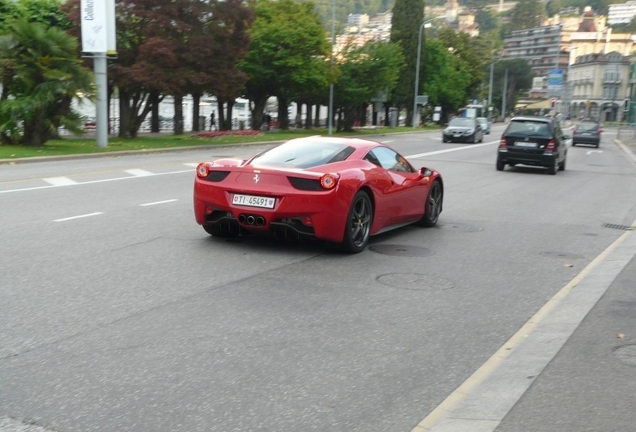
(41, 75)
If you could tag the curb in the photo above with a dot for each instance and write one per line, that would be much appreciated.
(625, 149)
(164, 150)
(127, 153)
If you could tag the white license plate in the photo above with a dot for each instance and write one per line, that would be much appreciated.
(253, 201)
(526, 144)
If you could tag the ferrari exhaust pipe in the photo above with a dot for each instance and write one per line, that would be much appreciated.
(250, 220)
(241, 218)
(260, 220)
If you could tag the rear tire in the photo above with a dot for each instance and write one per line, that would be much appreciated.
(573, 144)
(552, 169)
(358, 227)
(562, 165)
(500, 165)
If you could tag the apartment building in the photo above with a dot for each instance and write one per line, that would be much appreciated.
(600, 85)
(541, 47)
(621, 13)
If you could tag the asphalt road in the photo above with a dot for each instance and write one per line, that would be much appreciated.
(118, 312)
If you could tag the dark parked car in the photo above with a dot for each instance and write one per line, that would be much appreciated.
(537, 141)
(463, 129)
(587, 132)
(485, 124)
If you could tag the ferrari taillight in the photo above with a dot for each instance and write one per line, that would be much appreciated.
(328, 181)
(202, 170)
(550, 146)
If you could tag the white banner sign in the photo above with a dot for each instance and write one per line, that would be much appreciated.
(94, 31)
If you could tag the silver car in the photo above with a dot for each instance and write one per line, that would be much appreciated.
(485, 124)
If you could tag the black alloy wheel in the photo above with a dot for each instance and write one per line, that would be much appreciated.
(358, 228)
(432, 206)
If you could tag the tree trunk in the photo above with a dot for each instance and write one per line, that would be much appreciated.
(178, 115)
(124, 114)
(228, 118)
(317, 116)
(196, 99)
(283, 115)
(155, 125)
(35, 130)
(257, 108)
(309, 121)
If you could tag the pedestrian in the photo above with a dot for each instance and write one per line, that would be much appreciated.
(212, 121)
(298, 121)
(268, 119)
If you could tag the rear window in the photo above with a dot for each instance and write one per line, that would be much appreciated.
(305, 154)
(462, 121)
(587, 127)
(528, 128)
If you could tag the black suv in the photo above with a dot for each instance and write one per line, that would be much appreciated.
(537, 141)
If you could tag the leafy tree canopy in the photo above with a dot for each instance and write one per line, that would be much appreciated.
(41, 75)
(289, 43)
(446, 80)
(526, 14)
(364, 73)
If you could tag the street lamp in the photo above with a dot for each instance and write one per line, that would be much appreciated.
(417, 67)
(333, 43)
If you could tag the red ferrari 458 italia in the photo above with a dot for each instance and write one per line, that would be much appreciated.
(337, 189)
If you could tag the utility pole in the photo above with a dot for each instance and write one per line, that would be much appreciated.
(333, 44)
(505, 96)
(492, 68)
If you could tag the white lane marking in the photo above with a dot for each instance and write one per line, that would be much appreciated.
(60, 181)
(139, 172)
(194, 165)
(77, 217)
(593, 151)
(466, 147)
(158, 202)
(189, 171)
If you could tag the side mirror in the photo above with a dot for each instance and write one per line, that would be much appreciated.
(567, 137)
(425, 172)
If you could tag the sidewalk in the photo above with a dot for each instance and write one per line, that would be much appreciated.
(570, 368)
(591, 384)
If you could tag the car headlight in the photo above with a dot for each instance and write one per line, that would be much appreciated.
(469, 132)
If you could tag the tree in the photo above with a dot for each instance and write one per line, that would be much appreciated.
(471, 53)
(408, 16)
(288, 44)
(8, 12)
(553, 7)
(365, 72)
(41, 75)
(520, 76)
(173, 48)
(487, 20)
(447, 80)
(526, 14)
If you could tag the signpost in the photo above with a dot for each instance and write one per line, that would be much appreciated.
(98, 42)
(555, 82)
